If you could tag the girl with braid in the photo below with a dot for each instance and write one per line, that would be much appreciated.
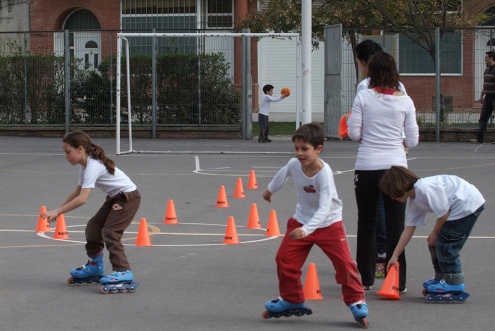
(107, 226)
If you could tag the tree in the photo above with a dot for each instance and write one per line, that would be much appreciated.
(420, 16)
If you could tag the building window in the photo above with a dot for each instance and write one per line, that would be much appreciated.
(415, 59)
(220, 14)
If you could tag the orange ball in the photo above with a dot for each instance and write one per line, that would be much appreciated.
(285, 91)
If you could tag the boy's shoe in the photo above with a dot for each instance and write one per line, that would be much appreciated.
(118, 277)
(475, 141)
(280, 305)
(367, 287)
(404, 291)
(442, 287)
(261, 141)
(268, 140)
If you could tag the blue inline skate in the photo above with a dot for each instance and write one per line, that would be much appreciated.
(443, 292)
(88, 274)
(360, 311)
(118, 282)
(279, 307)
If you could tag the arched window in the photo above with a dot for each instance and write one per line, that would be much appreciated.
(491, 21)
(82, 20)
(91, 44)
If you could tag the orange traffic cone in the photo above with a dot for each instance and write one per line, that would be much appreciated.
(170, 216)
(390, 287)
(239, 189)
(312, 285)
(222, 198)
(143, 236)
(252, 183)
(61, 228)
(43, 224)
(272, 229)
(231, 232)
(254, 219)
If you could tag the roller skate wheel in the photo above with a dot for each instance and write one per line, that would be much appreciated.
(265, 315)
(364, 323)
(70, 281)
(104, 290)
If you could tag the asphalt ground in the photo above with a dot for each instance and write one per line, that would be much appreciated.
(190, 280)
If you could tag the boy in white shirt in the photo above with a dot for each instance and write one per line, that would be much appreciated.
(264, 112)
(317, 220)
(457, 205)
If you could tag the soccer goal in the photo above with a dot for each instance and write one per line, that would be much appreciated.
(170, 99)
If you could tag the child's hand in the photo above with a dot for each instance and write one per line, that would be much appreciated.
(392, 262)
(432, 238)
(297, 233)
(51, 215)
(267, 195)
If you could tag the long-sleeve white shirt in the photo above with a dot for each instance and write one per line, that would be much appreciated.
(438, 195)
(377, 120)
(265, 103)
(318, 204)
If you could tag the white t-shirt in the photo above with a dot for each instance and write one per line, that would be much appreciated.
(438, 195)
(318, 204)
(265, 103)
(377, 121)
(95, 174)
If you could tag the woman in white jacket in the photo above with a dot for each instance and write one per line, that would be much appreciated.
(379, 116)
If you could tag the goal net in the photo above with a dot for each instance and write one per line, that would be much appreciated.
(195, 79)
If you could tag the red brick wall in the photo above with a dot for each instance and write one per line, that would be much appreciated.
(50, 15)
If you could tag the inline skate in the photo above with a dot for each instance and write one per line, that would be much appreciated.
(360, 311)
(279, 307)
(88, 274)
(443, 292)
(118, 282)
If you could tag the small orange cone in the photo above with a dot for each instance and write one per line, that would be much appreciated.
(239, 189)
(390, 287)
(43, 224)
(252, 183)
(312, 285)
(170, 216)
(222, 198)
(231, 232)
(254, 218)
(61, 228)
(272, 229)
(143, 236)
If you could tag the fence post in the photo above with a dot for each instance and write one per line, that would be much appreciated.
(67, 79)
(153, 85)
(246, 88)
(438, 73)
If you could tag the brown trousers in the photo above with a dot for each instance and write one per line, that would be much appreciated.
(108, 225)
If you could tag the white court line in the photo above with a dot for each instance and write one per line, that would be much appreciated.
(43, 235)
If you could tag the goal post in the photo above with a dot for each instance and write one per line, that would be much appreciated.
(210, 43)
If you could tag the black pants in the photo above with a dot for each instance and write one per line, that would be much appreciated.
(367, 191)
(263, 123)
(486, 113)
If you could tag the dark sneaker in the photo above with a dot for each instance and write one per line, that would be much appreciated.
(268, 140)
(261, 141)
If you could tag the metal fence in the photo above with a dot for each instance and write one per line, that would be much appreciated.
(450, 65)
(59, 78)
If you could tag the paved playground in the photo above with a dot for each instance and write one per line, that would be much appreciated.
(189, 279)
